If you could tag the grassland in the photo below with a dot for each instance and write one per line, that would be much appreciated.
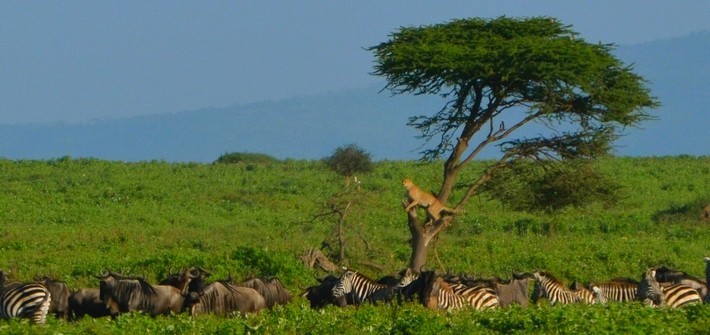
(70, 218)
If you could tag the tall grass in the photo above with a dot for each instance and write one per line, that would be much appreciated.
(71, 218)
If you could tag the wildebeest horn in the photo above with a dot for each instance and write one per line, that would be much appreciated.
(193, 273)
(204, 272)
(103, 274)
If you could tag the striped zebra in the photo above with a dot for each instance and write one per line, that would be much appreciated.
(548, 287)
(666, 276)
(584, 295)
(707, 278)
(24, 300)
(673, 296)
(616, 290)
(443, 296)
(358, 284)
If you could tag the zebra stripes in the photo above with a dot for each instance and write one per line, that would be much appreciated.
(353, 282)
(29, 300)
(617, 290)
(584, 296)
(444, 296)
(548, 287)
(673, 296)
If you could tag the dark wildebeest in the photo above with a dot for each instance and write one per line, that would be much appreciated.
(513, 291)
(191, 280)
(321, 295)
(394, 287)
(223, 298)
(59, 305)
(666, 276)
(87, 301)
(273, 291)
(123, 294)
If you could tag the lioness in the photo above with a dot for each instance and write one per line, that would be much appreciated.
(424, 199)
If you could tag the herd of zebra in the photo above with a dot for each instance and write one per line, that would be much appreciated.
(187, 291)
(658, 287)
(183, 291)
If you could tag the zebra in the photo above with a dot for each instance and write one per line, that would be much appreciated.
(443, 296)
(547, 286)
(356, 283)
(616, 290)
(25, 300)
(666, 276)
(673, 296)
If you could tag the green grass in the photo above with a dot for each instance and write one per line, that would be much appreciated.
(71, 218)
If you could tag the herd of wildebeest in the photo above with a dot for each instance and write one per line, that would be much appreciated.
(188, 291)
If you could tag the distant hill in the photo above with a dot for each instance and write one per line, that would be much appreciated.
(312, 127)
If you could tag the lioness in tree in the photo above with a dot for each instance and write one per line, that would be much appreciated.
(424, 199)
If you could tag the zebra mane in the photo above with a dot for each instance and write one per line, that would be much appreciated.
(625, 280)
(362, 276)
(549, 277)
(441, 284)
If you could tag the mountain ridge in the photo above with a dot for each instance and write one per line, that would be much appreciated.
(311, 127)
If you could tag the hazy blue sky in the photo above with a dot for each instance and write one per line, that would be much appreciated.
(75, 61)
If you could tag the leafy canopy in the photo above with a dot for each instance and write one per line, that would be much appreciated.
(536, 69)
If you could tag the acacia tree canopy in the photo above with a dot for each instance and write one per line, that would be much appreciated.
(497, 75)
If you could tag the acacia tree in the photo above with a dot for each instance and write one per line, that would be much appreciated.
(497, 76)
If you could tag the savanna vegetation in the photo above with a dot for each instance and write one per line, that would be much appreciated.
(70, 218)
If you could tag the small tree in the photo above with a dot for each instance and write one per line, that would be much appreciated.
(497, 76)
(346, 161)
(349, 160)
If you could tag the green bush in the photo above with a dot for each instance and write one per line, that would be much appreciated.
(552, 186)
(349, 160)
(246, 158)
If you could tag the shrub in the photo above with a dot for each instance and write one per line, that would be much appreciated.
(552, 187)
(349, 160)
(246, 158)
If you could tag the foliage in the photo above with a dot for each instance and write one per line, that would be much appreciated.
(551, 187)
(349, 160)
(500, 75)
(245, 158)
(69, 218)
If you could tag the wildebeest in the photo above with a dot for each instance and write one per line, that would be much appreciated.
(191, 280)
(394, 287)
(321, 295)
(223, 298)
(59, 305)
(513, 291)
(123, 294)
(675, 295)
(273, 291)
(87, 301)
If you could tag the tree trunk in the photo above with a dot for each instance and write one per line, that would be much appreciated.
(422, 236)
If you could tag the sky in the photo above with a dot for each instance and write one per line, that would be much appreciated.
(82, 61)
